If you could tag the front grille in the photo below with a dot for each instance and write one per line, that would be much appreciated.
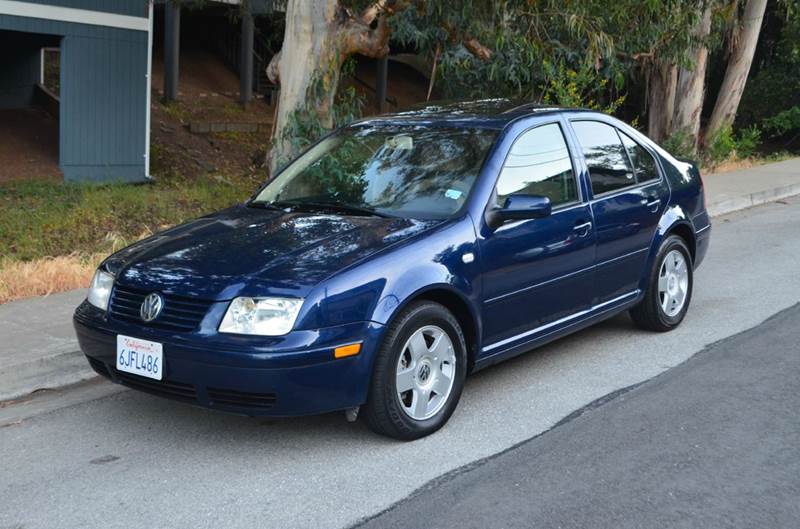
(162, 388)
(178, 314)
(218, 397)
(228, 397)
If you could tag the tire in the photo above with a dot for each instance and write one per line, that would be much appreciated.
(429, 367)
(653, 313)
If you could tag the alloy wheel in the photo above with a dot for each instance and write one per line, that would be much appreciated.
(673, 283)
(425, 373)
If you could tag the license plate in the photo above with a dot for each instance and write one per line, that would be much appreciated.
(140, 357)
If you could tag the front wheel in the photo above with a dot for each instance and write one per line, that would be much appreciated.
(669, 288)
(419, 373)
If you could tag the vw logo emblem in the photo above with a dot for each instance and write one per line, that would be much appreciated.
(151, 307)
(424, 373)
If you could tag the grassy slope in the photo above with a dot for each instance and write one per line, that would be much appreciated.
(52, 235)
(41, 219)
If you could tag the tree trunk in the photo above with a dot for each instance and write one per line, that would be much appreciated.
(320, 35)
(661, 99)
(309, 28)
(743, 48)
(691, 88)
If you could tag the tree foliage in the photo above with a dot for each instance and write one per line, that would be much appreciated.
(591, 53)
(529, 41)
(772, 96)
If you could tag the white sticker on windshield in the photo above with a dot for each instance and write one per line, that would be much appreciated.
(400, 142)
(455, 194)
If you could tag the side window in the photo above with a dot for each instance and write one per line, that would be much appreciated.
(539, 164)
(609, 168)
(643, 162)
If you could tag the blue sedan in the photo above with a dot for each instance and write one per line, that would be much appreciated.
(397, 255)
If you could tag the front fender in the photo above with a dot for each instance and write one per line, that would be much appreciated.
(376, 289)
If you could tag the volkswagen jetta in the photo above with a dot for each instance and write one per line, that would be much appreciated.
(397, 255)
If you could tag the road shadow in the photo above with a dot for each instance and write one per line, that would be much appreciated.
(201, 427)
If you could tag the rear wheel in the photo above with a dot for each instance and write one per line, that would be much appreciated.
(669, 288)
(419, 373)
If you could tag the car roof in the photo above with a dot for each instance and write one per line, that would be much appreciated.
(486, 113)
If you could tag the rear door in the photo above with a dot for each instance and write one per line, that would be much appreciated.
(628, 197)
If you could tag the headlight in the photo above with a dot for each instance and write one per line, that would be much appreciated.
(100, 289)
(267, 316)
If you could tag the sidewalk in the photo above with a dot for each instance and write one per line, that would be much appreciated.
(38, 349)
(37, 345)
(735, 190)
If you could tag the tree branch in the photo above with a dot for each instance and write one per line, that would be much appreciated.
(368, 33)
(474, 46)
(274, 69)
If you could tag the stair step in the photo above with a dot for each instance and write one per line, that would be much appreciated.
(206, 127)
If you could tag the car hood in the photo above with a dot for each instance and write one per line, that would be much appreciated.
(251, 251)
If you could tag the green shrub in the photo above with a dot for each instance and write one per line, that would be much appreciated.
(747, 142)
(783, 122)
(577, 88)
(775, 89)
(720, 146)
(680, 144)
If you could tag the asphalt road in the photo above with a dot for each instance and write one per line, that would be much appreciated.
(714, 442)
(132, 460)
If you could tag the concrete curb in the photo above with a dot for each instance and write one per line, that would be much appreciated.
(38, 349)
(50, 372)
(68, 366)
(723, 207)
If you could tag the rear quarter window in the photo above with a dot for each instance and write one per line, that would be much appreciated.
(643, 162)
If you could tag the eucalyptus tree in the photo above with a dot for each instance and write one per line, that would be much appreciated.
(742, 48)
(320, 36)
(691, 84)
(576, 52)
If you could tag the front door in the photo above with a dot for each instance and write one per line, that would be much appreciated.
(537, 271)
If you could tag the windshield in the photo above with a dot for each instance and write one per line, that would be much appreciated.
(412, 172)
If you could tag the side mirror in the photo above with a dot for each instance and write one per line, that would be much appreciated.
(519, 207)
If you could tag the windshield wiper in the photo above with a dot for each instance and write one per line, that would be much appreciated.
(263, 205)
(334, 206)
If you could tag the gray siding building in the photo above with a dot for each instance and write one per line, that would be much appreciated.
(104, 105)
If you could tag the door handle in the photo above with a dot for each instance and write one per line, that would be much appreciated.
(652, 203)
(583, 229)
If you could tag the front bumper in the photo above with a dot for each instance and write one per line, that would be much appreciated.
(289, 375)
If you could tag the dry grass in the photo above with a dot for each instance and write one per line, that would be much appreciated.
(41, 277)
(51, 275)
(733, 165)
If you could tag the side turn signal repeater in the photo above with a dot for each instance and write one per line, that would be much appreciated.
(347, 350)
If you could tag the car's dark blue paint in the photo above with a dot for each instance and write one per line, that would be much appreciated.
(298, 367)
(528, 282)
